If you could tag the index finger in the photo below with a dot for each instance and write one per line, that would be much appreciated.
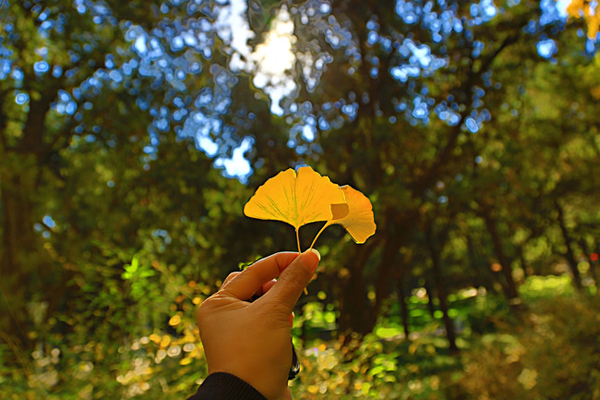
(250, 281)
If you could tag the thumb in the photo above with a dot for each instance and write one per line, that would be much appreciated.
(294, 279)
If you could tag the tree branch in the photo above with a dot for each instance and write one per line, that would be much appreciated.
(445, 155)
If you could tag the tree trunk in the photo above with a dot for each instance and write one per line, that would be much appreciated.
(389, 267)
(19, 175)
(20, 255)
(479, 281)
(403, 307)
(593, 271)
(357, 313)
(510, 288)
(355, 308)
(441, 291)
(430, 295)
(384, 276)
(569, 255)
(522, 260)
(592, 264)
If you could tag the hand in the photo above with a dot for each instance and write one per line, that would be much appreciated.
(253, 341)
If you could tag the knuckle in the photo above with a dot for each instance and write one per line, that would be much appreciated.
(230, 278)
(201, 310)
(204, 309)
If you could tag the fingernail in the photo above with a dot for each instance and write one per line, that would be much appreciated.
(309, 262)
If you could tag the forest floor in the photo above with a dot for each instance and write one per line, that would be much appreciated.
(548, 349)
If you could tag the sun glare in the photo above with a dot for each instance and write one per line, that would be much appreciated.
(271, 61)
(275, 56)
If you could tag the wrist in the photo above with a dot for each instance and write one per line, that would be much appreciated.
(271, 386)
(226, 386)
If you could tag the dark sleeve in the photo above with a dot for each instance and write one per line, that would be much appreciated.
(224, 386)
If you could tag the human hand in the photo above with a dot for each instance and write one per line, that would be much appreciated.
(253, 341)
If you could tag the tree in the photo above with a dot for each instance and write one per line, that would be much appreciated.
(422, 106)
(69, 70)
(398, 97)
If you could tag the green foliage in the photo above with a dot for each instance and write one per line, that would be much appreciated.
(140, 286)
(132, 338)
(114, 227)
(546, 287)
(554, 351)
(375, 372)
(551, 352)
(243, 265)
(488, 315)
(554, 355)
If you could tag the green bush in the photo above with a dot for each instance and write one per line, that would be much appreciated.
(378, 369)
(554, 354)
(551, 351)
(488, 314)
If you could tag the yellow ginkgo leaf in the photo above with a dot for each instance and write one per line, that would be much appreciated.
(339, 210)
(296, 198)
(304, 197)
(359, 221)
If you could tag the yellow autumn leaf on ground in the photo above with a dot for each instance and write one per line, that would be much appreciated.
(296, 198)
(155, 338)
(175, 320)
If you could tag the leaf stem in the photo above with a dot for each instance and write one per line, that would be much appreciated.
(298, 241)
(319, 234)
